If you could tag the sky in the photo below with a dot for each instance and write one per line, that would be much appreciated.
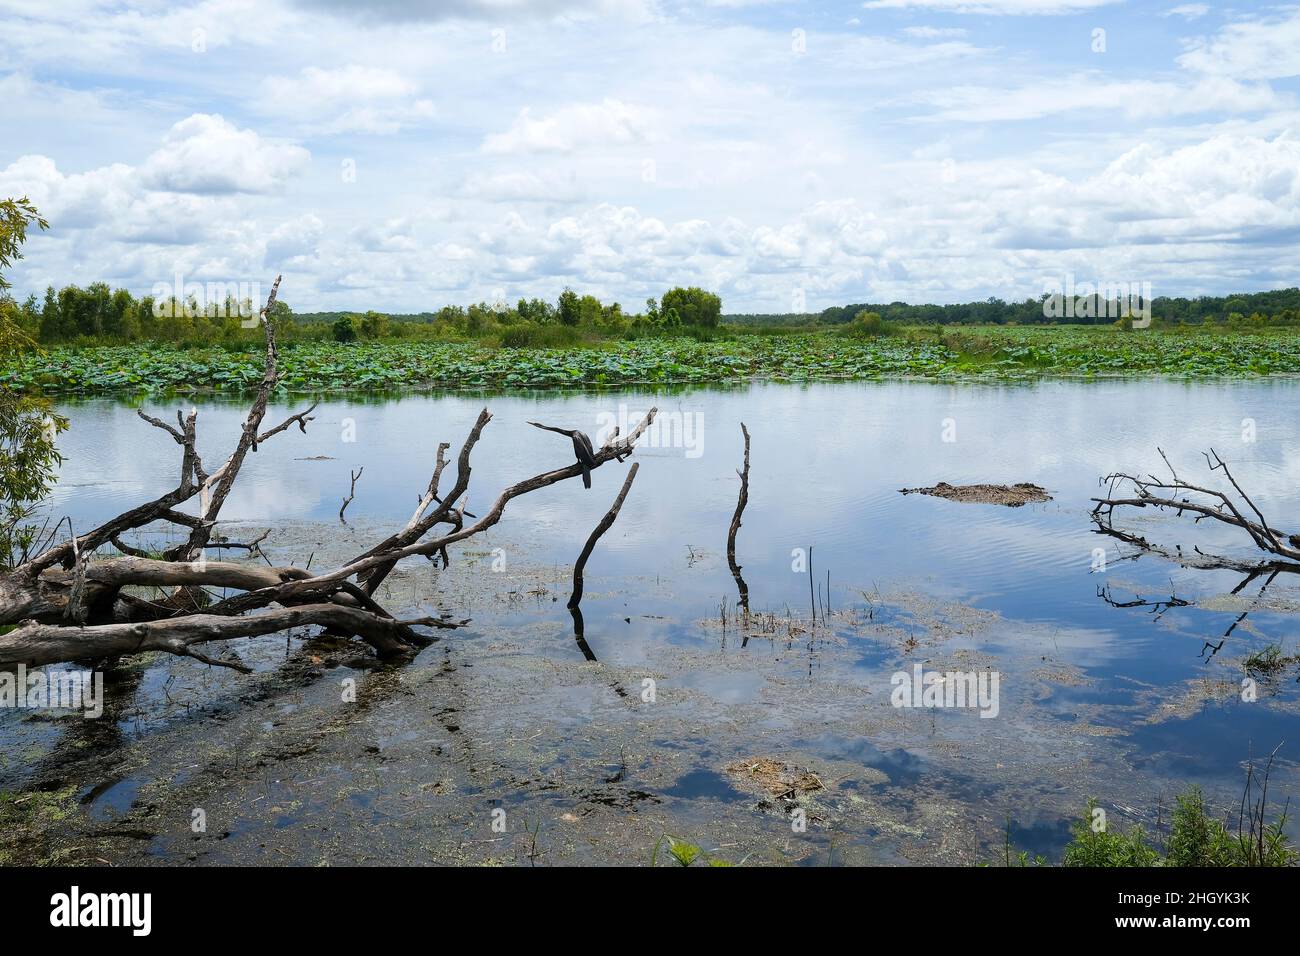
(403, 155)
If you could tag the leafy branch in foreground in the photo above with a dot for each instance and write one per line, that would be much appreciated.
(16, 215)
(29, 426)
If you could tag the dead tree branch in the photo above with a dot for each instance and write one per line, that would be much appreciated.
(352, 493)
(33, 643)
(604, 525)
(69, 604)
(1182, 496)
(741, 501)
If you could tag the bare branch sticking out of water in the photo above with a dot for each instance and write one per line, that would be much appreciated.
(66, 580)
(352, 493)
(604, 525)
(1183, 497)
(741, 502)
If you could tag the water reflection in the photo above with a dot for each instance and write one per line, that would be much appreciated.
(821, 477)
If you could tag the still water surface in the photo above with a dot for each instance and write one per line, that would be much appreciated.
(1146, 685)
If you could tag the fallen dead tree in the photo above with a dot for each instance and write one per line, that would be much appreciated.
(1183, 497)
(69, 602)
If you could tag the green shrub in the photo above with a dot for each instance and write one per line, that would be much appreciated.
(1103, 847)
(866, 325)
(1195, 838)
(344, 329)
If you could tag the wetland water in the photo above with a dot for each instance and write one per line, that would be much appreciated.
(1125, 704)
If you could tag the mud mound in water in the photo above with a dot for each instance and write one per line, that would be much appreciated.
(775, 778)
(1013, 496)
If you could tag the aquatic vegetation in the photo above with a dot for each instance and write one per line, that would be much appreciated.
(945, 354)
(1195, 839)
(1106, 847)
(24, 819)
(685, 854)
(1269, 661)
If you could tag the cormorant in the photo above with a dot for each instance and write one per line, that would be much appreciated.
(582, 449)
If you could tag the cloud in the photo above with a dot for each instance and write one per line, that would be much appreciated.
(1229, 186)
(315, 88)
(1140, 215)
(294, 240)
(522, 186)
(933, 33)
(205, 153)
(109, 36)
(696, 148)
(992, 7)
(492, 10)
(610, 122)
(1263, 49)
(1090, 92)
(1188, 11)
(75, 201)
(346, 99)
(28, 98)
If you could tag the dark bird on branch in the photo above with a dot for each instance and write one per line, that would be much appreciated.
(582, 449)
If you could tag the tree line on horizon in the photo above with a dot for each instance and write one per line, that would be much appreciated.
(1271, 307)
(98, 313)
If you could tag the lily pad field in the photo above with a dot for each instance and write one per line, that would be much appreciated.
(998, 353)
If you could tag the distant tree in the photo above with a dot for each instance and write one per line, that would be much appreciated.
(868, 323)
(535, 310)
(567, 307)
(51, 321)
(122, 320)
(694, 305)
(374, 325)
(589, 310)
(344, 329)
(29, 317)
(450, 317)
(479, 317)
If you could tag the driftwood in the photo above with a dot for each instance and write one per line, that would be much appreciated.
(70, 603)
(1183, 497)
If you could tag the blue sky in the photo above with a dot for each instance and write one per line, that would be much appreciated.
(403, 155)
